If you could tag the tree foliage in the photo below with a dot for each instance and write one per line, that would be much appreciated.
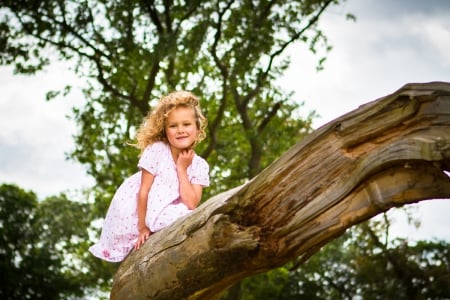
(229, 53)
(41, 252)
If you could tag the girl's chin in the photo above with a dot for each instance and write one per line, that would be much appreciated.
(183, 147)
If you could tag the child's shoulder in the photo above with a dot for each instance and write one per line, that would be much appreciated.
(200, 161)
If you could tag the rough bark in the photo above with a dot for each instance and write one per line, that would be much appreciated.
(387, 153)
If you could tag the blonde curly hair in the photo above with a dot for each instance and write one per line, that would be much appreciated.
(152, 128)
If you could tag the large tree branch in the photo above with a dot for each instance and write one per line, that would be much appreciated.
(387, 153)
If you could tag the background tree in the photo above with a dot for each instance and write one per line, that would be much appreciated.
(130, 52)
(40, 254)
(228, 52)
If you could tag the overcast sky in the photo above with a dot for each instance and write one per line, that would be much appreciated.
(393, 42)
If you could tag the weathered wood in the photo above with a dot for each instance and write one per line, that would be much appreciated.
(387, 153)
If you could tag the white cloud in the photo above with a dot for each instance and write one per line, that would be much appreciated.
(36, 134)
(435, 37)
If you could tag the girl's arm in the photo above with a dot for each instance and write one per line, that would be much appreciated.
(144, 189)
(190, 193)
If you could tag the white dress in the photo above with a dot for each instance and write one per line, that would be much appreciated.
(120, 231)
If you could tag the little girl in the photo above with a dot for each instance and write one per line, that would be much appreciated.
(170, 180)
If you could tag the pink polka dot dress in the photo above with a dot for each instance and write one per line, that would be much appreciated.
(120, 231)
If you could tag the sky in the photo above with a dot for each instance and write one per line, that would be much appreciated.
(392, 43)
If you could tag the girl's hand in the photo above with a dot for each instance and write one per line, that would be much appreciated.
(185, 159)
(144, 233)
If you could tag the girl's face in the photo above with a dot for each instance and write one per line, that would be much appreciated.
(181, 128)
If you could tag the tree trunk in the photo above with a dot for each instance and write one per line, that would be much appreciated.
(387, 153)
